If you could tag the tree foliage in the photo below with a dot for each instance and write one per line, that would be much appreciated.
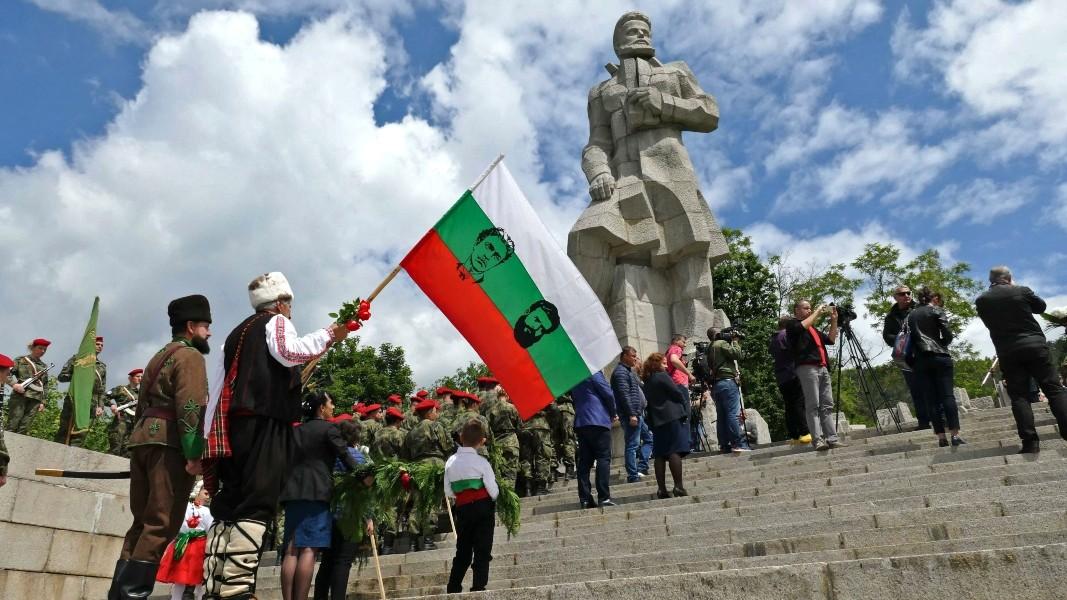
(465, 378)
(353, 372)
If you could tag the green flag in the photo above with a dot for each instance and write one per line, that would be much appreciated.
(84, 377)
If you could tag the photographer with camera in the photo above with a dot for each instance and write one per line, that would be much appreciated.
(723, 355)
(891, 328)
(812, 362)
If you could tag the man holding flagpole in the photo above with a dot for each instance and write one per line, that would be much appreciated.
(255, 398)
(69, 432)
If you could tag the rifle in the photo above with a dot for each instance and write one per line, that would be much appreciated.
(126, 407)
(32, 379)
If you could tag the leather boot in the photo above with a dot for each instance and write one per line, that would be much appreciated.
(428, 543)
(137, 580)
(113, 593)
(569, 474)
(387, 543)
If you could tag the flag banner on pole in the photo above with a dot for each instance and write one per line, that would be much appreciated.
(504, 282)
(81, 382)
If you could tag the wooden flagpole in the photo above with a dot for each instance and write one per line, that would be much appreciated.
(377, 563)
(451, 519)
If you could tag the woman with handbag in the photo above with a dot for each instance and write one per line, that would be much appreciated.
(667, 414)
(930, 337)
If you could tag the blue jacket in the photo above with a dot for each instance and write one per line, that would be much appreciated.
(594, 404)
(629, 399)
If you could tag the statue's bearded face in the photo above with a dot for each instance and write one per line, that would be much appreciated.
(634, 39)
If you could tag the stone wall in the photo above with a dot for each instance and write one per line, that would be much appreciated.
(60, 537)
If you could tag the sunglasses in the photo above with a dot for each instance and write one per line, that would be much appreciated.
(903, 293)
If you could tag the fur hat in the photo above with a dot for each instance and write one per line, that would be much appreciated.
(268, 288)
(199, 485)
(189, 308)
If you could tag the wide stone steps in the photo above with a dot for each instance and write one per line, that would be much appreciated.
(788, 516)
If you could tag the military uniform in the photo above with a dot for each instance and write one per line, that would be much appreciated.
(388, 443)
(536, 453)
(505, 423)
(461, 420)
(563, 437)
(370, 431)
(118, 431)
(68, 433)
(5, 458)
(427, 442)
(23, 407)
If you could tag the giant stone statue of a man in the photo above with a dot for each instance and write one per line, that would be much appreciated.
(647, 241)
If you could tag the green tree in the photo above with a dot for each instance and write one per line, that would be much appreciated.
(814, 282)
(745, 291)
(46, 423)
(352, 372)
(465, 378)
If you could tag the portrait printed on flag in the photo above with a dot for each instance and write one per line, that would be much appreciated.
(492, 247)
(541, 319)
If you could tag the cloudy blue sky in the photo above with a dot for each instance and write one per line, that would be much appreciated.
(156, 148)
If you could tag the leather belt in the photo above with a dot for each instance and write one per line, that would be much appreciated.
(160, 412)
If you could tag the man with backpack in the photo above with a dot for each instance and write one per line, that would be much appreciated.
(895, 323)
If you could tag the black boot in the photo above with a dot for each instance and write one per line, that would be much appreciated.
(137, 580)
(540, 488)
(113, 593)
(569, 474)
(387, 543)
(428, 543)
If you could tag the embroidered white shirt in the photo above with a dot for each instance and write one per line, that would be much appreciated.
(466, 464)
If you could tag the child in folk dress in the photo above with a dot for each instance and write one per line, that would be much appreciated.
(469, 480)
(183, 562)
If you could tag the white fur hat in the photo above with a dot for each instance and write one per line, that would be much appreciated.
(267, 288)
(199, 485)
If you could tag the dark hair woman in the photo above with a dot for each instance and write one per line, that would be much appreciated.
(306, 497)
(930, 338)
(668, 411)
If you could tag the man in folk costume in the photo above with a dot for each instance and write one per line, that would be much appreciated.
(165, 446)
(251, 441)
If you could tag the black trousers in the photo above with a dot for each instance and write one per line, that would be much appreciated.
(793, 399)
(934, 374)
(923, 405)
(251, 481)
(594, 444)
(1018, 367)
(331, 582)
(474, 541)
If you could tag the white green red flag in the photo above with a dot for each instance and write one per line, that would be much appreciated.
(505, 283)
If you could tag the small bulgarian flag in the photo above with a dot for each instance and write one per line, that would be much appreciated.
(504, 282)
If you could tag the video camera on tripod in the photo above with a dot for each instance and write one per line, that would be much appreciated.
(846, 313)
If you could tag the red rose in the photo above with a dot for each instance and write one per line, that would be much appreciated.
(405, 481)
(352, 325)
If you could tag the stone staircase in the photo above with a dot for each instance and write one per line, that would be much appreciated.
(888, 517)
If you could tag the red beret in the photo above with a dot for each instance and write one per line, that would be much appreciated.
(99, 338)
(341, 417)
(394, 413)
(136, 372)
(41, 342)
(490, 380)
(426, 405)
(6, 362)
(359, 408)
(441, 391)
(466, 396)
(395, 399)
(367, 410)
(422, 394)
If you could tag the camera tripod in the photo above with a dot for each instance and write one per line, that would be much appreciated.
(871, 387)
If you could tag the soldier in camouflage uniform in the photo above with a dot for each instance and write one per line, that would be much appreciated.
(487, 391)
(505, 423)
(449, 409)
(372, 423)
(468, 409)
(389, 445)
(68, 433)
(118, 431)
(25, 403)
(410, 418)
(427, 442)
(5, 371)
(564, 439)
(536, 453)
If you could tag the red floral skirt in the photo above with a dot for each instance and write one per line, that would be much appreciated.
(189, 569)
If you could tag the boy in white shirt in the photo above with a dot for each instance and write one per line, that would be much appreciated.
(469, 480)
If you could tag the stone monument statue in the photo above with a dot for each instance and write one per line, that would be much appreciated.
(648, 240)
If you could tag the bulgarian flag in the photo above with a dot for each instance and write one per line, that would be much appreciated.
(504, 282)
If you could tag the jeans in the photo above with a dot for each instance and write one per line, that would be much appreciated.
(934, 375)
(594, 444)
(923, 405)
(727, 398)
(1018, 367)
(818, 402)
(638, 448)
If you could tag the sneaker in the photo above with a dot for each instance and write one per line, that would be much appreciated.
(1030, 449)
(641, 475)
(587, 505)
(679, 492)
(607, 503)
(942, 443)
(741, 450)
(821, 446)
(805, 439)
(957, 441)
(837, 444)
